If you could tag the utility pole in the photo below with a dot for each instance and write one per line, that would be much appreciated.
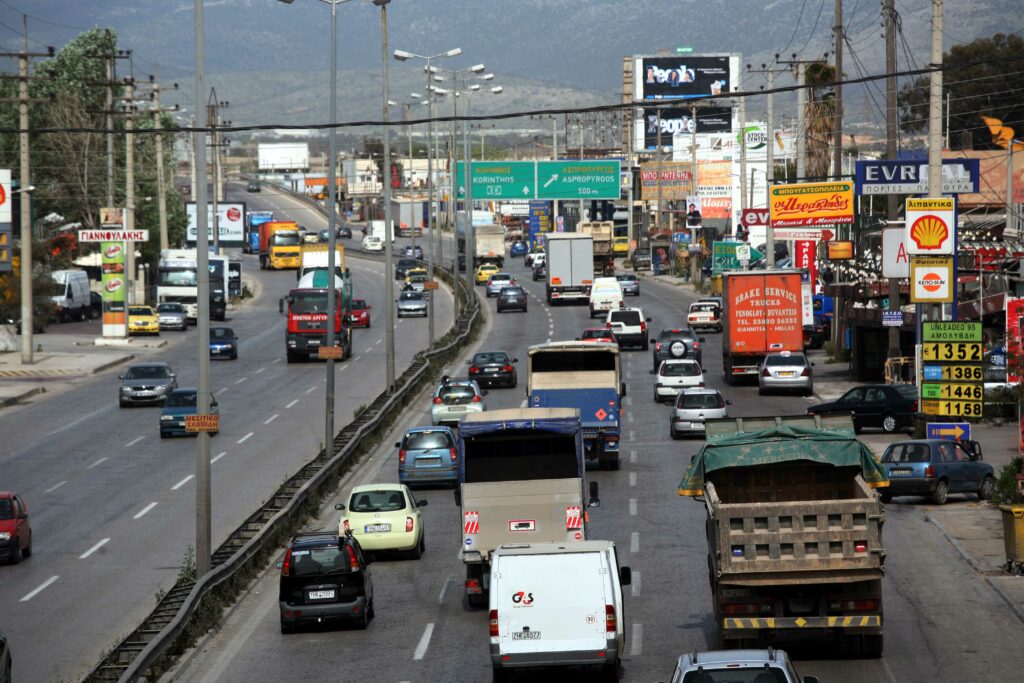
(161, 180)
(213, 107)
(694, 267)
(743, 149)
(892, 204)
(25, 178)
(935, 141)
(389, 280)
(770, 175)
(192, 161)
(837, 158)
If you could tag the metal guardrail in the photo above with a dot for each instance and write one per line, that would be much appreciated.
(262, 531)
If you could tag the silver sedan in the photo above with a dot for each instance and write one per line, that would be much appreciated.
(412, 303)
(785, 371)
(692, 407)
(172, 316)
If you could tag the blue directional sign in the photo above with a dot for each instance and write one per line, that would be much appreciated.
(948, 431)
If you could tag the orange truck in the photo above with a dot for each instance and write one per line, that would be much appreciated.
(280, 245)
(763, 314)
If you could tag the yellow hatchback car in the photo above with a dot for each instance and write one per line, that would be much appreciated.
(384, 517)
(620, 246)
(143, 320)
(484, 273)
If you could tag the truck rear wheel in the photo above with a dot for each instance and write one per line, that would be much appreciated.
(727, 370)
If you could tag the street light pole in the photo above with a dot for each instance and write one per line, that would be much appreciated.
(389, 293)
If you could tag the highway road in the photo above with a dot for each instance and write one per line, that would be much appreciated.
(941, 622)
(112, 504)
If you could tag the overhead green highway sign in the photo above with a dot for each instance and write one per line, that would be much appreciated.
(567, 179)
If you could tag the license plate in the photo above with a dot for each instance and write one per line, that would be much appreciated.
(900, 472)
(526, 635)
(457, 409)
(786, 374)
(376, 528)
(320, 595)
(492, 369)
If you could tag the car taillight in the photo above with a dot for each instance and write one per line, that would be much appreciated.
(507, 368)
(657, 346)
(913, 407)
(806, 372)
(437, 400)
(765, 373)
(409, 523)
(473, 370)
(401, 456)
(353, 563)
(696, 344)
(607, 326)
(643, 327)
(611, 438)
(929, 471)
(476, 399)
(860, 546)
(494, 623)
(454, 454)
(701, 385)
(610, 620)
(748, 608)
(836, 604)
(286, 566)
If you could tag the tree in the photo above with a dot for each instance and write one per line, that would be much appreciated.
(974, 89)
(820, 116)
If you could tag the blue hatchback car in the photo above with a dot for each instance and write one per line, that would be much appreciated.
(428, 455)
(177, 405)
(936, 468)
(519, 249)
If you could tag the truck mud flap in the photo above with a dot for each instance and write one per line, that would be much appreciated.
(737, 625)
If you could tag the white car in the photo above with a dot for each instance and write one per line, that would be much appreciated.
(629, 325)
(704, 315)
(674, 376)
(605, 295)
(372, 243)
(693, 407)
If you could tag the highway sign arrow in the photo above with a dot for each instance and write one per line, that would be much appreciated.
(949, 431)
(553, 178)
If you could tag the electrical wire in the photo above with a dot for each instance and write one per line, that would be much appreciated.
(796, 26)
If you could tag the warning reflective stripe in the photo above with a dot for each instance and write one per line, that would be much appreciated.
(471, 523)
(573, 517)
(863, 621)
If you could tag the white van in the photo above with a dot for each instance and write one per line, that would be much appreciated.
(605, 295)
(73, 300)
(557, 604)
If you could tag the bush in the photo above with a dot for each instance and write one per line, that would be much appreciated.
(1006, 491)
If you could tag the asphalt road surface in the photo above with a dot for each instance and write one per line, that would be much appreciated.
(112, 505)
(941, 622)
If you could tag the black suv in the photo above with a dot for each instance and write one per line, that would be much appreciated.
(403, 267)
(324, 577)
(675, 344)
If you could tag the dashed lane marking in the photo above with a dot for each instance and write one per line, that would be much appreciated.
(444, 588)
(218, 457)
(292, 403)
(43, 586)
(632, 478)
(144, 510)
(638, 640)
(98, 462)
(421, 648)
(276, 360)
(246, 437)
(632, 435)
(55, 487)
(240, 380)
(634, 542)
(134, 441)
(632, 456)
(270, 419)
(632, 507)
(259, 371)
(220, 391)
(93, 549)
(310, 390)
(634, 587)
(182, 482)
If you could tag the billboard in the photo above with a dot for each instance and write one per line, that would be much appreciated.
(723, 146)
(811, 204)
(115, 286)
(674, 179)
(5, 195)
(283, 156)
(683, 77)
(230, 223)
(881, 176)
(678, 121)
(6, 230)
(895, 259)
(1014, 350)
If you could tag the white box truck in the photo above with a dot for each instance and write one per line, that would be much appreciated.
(557, 604)
(570, 261)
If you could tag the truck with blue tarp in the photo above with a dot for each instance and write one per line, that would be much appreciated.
(521, 480)
(794, 531)
(585, 376)
(253, 219)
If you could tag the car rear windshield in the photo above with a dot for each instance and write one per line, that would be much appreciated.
(421, 441)
(734, 675)
(595, 334)
(221, 333)
(627, 317)
(490, 358)
(146, 372)
(679, 370)
(626, 278)
(700, 401)
(512, 291)
(456, 394)
(318, 560)
(376, 501)
(796, 359)
(676, 334)
(908, 452)
(703, 308)
(406, 263)
(500, 276)
(181, 399)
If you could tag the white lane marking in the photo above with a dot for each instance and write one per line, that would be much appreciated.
(55, 487)
(638, 640)
(98, 462)
(259, 371)
(421, 648)
(634, 542)
(632, 435)
(246, 437)
(134, 441)
(377, 342)
(182, 482)
(632, 456)
(523, 404)
(218, 457)
(276, 360)
(43, 586)
(240, 380)
(310, 390)
(444, 589)
(270, 419)
(632, 507)
(343, 368)
(549, 340)
(629, 416)
(292, 403)
(93, 549)
(635, 585)
(220, 391)
(632, 478)
(144, 510)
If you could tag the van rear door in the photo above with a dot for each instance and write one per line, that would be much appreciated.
(551, 603)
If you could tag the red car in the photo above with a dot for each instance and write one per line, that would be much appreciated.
(597, 334)
(360, 315)
(15, 532)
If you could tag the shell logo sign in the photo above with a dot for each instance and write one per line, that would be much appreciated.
(930, 226)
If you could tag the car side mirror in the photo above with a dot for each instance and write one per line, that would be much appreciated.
(280, 305)
(458, 496)
(421, 503)
(398, 444)
(812, 365)
(469, 362)
(174, 375)
(213, 404)
(653, 340)
(339, 507)
(728, 402)
(279, 564)
(483, 392)
(515, 360)
(702, 340)
(120, 376)
(647, 319)
(625, 576)
(622, 389)
(577, 338)
(369, 308)
(595, 501)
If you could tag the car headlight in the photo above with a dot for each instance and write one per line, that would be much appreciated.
(5, 535)
(163, 387)
(166, 418)
(126, 390)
